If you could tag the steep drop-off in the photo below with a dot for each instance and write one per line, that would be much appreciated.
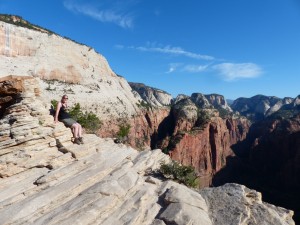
(268, 161)
(45, 179)
(199, 137)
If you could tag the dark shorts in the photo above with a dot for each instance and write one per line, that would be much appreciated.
(68, 122)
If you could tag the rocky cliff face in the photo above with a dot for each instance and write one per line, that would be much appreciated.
(199, 137)
(210, 101)
(207, 149)
(279, 142)
(258, 107)
(152, 96)
(268, 161)
(65, 67)
(143, 126)
(45, 179)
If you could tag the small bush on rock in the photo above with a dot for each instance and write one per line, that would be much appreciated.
(122, 135)
(54, 104)
(143, 104)
(203, 118)
(88, 120)
(223, 113)
(180, 173)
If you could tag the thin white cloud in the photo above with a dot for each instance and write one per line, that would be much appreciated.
(173, 67)
(195, 68)
(235, 71)
(174, 51)
(229, 71)
(104, 15)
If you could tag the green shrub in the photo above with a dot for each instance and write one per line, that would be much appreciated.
(144, 104)
(203, 118)
(122, 135)
(88, 120)
(76, 112)
(223, 113)
(166, 150)
(180, 173)
(123, 130)
(54, 103)
(91, 122)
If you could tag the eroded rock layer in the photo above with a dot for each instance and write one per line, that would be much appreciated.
(200, 137)
(46, 179)
(65, 67)
(207, 150)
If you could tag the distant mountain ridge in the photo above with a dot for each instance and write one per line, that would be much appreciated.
(206, 101)
(59, 66)
(152, 96)
(259, 107)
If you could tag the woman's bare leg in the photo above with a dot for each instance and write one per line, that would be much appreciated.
(79, 130)
(75, 128)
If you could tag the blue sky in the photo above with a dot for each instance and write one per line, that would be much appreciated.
(237, 48)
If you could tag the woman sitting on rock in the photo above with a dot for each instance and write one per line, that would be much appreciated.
(62, 115)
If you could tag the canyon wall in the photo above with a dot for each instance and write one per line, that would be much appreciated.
(278, 141)
(207, 149)
(200, 137)
(142, 127)
(43, 66)
(46, 179)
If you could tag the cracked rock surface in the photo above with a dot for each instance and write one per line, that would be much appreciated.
(46, 179)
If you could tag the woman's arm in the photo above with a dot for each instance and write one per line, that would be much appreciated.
(57, 112)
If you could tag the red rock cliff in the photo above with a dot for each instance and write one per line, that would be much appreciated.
(207, 149)
(275, 151)
(142, 127)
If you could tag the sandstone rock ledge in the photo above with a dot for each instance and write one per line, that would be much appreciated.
(45, 179)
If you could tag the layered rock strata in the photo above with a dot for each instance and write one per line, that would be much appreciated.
(143, 126)
(207, 149)
(66, 67)
(202, 139)
(45, 179)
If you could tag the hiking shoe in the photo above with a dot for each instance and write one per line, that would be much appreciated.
(76, 141)
(81, 140)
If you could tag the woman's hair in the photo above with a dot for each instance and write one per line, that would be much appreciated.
(64, 96)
